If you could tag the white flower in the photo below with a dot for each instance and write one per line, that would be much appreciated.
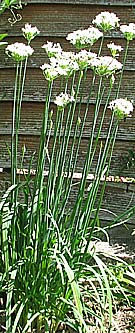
(83, 58)
(121, 107)
(105, 65)
(114, 49)
(50, 72)
(66, 62)
(19, 51)
(63, 100)
(128, 31)
(106, 21)
(84, 38)
(52, 49)
(30, 32)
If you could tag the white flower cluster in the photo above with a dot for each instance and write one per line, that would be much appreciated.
(50, 72)
(122, 108)
(128, 31)
(115, 49)
(84, 38)
(52, 49)
(67, 61)
(19, 51)
(30, 32)
(83, 58)
(63, 100)
(105, 65)
(106, 21)
(63, 64)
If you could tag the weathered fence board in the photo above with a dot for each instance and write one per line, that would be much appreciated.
(35, 86)
(32, 144)
(122, 200)
(31, 120)
(39, 56)
(87, 2)
(60, 19)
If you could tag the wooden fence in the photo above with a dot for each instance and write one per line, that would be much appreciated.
(55, 19)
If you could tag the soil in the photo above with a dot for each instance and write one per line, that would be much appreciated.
(123, 322)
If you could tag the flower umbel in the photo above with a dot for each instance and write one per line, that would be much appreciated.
(50, 72)
(106, 21)
(63, 100)
(64, 64)
(105, 66)
(115, 49)
(128, 31)
(30, 32)
(83, 58)
(19, 51)
(121, 107)
(52, 49)
(84, 38)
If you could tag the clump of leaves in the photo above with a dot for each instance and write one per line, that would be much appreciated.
(11, 5)
(7, 4)
(2, 36)
(128, 161)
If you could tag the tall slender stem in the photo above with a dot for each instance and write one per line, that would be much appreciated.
(121, 74)
(13, 151)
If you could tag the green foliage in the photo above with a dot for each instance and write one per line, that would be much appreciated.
(6, 4)
(2, 36)
(129, 160)
(11, 5)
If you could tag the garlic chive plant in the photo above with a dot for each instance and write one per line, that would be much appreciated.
(114, 49)
(128, 31)
(19, 52)
(84, 38)
(46, 244)
(122, 108)
(106, 21)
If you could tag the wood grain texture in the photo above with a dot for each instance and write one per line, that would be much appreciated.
(39, 56)
(36, 85)
(60, 19)
(87, 2)
(32, 145)
(32, 113)
(116, 201)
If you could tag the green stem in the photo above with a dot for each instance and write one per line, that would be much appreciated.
(101, 45)
(78, 137)
(121, 74)
(13, 150)
(87, 160)
(65, 146)
(100, 167)
(70, 168)
(42, 147)
(17, 117)
(112, 142)
(56, 142)
(35, 205)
